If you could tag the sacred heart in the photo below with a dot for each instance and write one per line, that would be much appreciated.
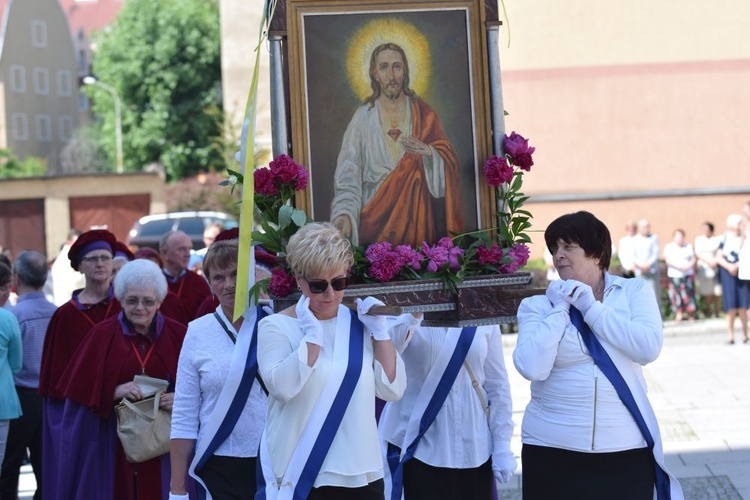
(394, 133)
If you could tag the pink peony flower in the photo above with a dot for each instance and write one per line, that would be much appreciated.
(518, 149)
(490, 255)
(454, 254)
(387, 267)
(303, 177)
(497, 171)
(281, 283)
(437, 256)
(378, 251)
(284, 169)
(520, 255)
(410, 256)
(263, 179)
(445, 242)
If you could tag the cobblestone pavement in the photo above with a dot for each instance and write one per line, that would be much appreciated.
(700, 389)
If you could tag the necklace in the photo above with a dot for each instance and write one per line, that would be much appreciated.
(600, 289)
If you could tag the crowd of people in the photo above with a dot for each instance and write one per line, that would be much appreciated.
(283, 405)
(714, 269)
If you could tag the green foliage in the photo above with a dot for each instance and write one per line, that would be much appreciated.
(12, 167)
(163, 58)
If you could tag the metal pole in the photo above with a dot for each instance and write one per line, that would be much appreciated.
(280, 140)
(496, 89)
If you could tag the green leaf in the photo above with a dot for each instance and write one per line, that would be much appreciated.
(285, 216)
(299, 217)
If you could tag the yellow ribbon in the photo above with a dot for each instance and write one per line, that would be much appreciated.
(246, 257)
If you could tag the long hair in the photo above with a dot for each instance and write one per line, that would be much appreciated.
(373, 66)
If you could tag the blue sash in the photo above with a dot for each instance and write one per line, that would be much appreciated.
(607, 366)
(437, 400)
(240, 398)
(332, 421)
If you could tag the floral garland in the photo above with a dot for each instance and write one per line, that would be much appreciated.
(498, 250)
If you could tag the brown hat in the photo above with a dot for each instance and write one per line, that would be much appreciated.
(96, 239)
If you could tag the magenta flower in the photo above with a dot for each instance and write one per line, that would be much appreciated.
(497, 171)
(520, 255)
(410, 256)
(490, 255)
(518, 149)
(281, 283)
(263, 179)
(303, 177)
(454, 254)
(285, 170)
(387, 267)
(378, 251)
(437, 256)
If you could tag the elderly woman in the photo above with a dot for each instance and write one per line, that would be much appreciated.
(91, 255)
(10, 363)
(138, 341)
(589, 431)
(220, 407)
(734, 290)
(323, 365)
(679, 256)
(5, 285)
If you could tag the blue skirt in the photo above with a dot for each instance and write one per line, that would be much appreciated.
(734, 291)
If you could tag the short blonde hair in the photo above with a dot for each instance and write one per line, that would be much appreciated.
(318, 247)
(220, 255)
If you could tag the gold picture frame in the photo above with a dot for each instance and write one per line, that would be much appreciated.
(330, 44)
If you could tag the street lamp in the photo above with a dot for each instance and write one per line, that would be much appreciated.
(91, 80)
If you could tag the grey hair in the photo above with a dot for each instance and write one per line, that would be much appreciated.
(31, 268)
(318, 247)
(140, 272)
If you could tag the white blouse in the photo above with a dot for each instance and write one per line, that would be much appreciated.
(201, 373)
(461, 436)
(354, 458)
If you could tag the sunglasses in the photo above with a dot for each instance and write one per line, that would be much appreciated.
(320, 286)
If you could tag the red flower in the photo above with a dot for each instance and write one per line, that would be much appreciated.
(281, 283)
(518, 149)
(264, 184)
(490, 255)
(497, 171)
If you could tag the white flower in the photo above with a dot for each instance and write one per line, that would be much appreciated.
(232, 180)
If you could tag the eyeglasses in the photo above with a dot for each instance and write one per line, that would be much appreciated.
(134, 301)
(97, 258)
(320, 286)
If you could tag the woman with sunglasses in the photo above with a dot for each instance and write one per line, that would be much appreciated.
(323, 365)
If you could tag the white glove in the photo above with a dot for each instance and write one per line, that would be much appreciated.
(556, 295)
(581, 296)
(173, 496)
(268, 310)
(501, 476)
(378, 325)
(308, 323)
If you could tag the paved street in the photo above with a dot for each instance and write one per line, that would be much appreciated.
(700, 389)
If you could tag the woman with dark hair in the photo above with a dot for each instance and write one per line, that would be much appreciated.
(589, 431)
(220, 405)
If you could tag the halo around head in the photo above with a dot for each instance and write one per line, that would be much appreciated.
(388, 30)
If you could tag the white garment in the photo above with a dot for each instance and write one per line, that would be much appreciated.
(705, 251)
(461, 436)
(567, 389)
(354, 457)
(201, 373)
(366, 158)
(65, 279)
(626, 253)
(743, 272)
(646, 253)
(681, 255)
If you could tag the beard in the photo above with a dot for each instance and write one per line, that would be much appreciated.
(392, 90)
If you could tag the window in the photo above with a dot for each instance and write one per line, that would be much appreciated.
(65, 128)
(39, 34)
(43, 128)
(17, 78)
(83, 102)
(41, 81)
(64, 83)
(19, 127)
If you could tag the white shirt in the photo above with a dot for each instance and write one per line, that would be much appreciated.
(646, 253)
(461, 436)
(681, 255)
(354, 457)
(626, 253)
(201, 373)
(705, 250)
(573, 405)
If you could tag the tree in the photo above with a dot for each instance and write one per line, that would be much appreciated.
(11, 167)
(163, 58)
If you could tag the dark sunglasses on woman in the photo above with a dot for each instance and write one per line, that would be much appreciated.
(320, 286)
